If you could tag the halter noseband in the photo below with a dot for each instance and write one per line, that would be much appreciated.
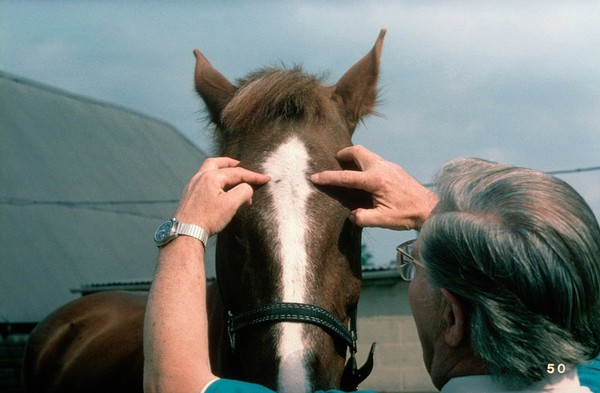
(293, 312)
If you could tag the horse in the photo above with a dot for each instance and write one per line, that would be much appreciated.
(283, 310)
(92, 344)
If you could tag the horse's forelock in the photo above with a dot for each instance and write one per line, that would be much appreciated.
(274, 94)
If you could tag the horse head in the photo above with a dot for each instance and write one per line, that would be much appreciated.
(294, 246)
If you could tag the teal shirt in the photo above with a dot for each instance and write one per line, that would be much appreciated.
(231, 386)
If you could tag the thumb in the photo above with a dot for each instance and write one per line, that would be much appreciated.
(367, 218)
(240, 194)
(361, 217)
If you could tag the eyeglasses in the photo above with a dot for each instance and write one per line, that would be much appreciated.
(405, 260)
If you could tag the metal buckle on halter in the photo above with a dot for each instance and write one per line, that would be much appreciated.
(230, 331)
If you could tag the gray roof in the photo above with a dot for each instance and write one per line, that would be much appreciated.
(83, 185)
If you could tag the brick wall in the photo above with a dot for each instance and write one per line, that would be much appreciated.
(11, 352)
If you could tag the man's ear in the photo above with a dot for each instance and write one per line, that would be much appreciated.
(454, 317)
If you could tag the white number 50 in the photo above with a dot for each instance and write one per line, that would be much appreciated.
(559, 368)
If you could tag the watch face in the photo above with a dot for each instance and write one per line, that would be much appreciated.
(163, 232)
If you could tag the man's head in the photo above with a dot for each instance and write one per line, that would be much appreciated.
(511, 263)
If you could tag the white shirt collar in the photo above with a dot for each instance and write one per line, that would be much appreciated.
(566, 383)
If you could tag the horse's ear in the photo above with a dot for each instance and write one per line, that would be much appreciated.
(214, 88)
(358, 86)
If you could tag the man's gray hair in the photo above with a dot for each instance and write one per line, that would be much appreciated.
(521, 249)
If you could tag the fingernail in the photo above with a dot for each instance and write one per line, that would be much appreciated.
(314, 177)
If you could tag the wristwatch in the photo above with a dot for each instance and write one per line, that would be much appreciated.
(170, 229)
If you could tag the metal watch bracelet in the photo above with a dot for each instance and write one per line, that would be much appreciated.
(192, 230)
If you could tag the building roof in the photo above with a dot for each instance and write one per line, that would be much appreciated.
(83, 185)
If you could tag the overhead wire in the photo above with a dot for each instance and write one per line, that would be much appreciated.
(557, 172)
(105, 205)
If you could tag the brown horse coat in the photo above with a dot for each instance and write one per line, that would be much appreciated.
(93, 344)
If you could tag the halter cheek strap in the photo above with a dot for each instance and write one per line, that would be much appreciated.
(352, 375)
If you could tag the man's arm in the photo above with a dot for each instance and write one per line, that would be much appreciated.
(399, 201)
(176, 327)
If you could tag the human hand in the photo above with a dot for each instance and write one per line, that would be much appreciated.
(215, 193)
(399, 200)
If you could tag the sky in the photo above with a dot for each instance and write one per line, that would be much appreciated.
(510, 81)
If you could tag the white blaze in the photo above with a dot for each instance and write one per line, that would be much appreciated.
(289, 189)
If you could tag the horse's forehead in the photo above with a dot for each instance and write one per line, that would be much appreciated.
(289, 158)
(277, 95)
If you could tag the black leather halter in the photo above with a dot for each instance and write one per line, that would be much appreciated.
(306, 313)
(293, 312)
